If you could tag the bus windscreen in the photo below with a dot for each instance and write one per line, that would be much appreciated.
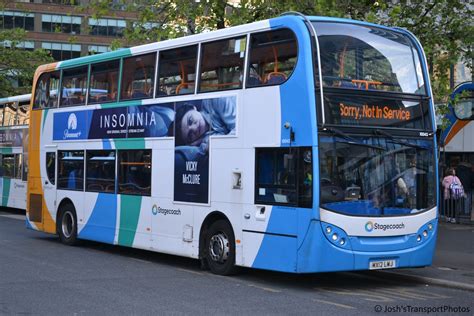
(368, 58)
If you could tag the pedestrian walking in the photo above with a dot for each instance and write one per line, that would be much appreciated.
(453, 195)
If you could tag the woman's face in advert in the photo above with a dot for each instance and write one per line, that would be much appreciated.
(193, 126)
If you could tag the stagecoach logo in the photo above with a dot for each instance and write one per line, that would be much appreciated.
(156, 209)
(71, 127)
(369, 226)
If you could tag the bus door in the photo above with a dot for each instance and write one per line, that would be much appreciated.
(49, 179)
(283, 189)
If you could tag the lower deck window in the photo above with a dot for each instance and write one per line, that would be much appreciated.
(100, 171)
(284, 176)
(135, 172)
(71, 170)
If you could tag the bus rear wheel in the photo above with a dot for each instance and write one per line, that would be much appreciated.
(67, 225)
(220, 248)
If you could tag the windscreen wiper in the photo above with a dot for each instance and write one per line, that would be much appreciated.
(349, 139)
(397, 141)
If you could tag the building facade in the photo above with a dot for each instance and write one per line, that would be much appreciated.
(65, 27)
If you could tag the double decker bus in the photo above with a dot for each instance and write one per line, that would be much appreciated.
(457, 144)
(297, 144)
(14, 117)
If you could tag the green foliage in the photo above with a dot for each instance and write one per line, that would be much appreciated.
(16, 64)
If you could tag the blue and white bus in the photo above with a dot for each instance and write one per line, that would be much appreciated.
(14, 117)
(296, 144)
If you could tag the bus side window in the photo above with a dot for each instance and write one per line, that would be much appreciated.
(74, 86)
(222, 64)
(71, 170)
(51, 167)
(284, 176)
(100, 171)
(104, 82)
(138, 77)
(177, 71)
(18, 165)
(46, 90)
(8, 164)
(134, 175)
(272, 57)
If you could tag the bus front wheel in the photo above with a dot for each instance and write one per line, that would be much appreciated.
(220, 248)
(67, 225)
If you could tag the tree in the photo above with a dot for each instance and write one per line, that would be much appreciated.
(444, 27)
(17, 64)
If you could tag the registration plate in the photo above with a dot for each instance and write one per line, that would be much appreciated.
(383, 264)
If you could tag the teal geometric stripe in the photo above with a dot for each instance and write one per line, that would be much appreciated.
(6, 191)
(130, 206)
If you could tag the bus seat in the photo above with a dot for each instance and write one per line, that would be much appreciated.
(347, 84)
(253, 81)
(275, 78)
(71, 180)
(137, 94)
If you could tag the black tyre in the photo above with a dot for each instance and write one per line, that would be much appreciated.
(67, 225)
(220, 248)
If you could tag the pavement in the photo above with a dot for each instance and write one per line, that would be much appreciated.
(453, 264)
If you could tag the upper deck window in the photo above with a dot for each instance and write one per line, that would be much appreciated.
(138, 77)
(74, 86)
(368, 58)
(464, 108)
(104, 81)
(222, 64)
(46, 91)
(177, 71)
(272, 57)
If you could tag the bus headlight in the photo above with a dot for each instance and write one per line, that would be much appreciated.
(335, 235)
(430, 226)
(425, 233)
(418, 238)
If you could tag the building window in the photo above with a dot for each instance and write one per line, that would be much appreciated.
(61, 24)
(135, 172)
(62, 51)
(97, 49)
(100, 171)
(46, 90)
(26, 45)
(222, 64)
(177, 70)
(74, 86)
(104, 81)
(107, 27)
(272, 57)
(11, 20)
(71, 170)
(51, 167)
(138, 77)
(63, 2)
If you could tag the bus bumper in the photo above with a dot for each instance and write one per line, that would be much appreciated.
(319, 253)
